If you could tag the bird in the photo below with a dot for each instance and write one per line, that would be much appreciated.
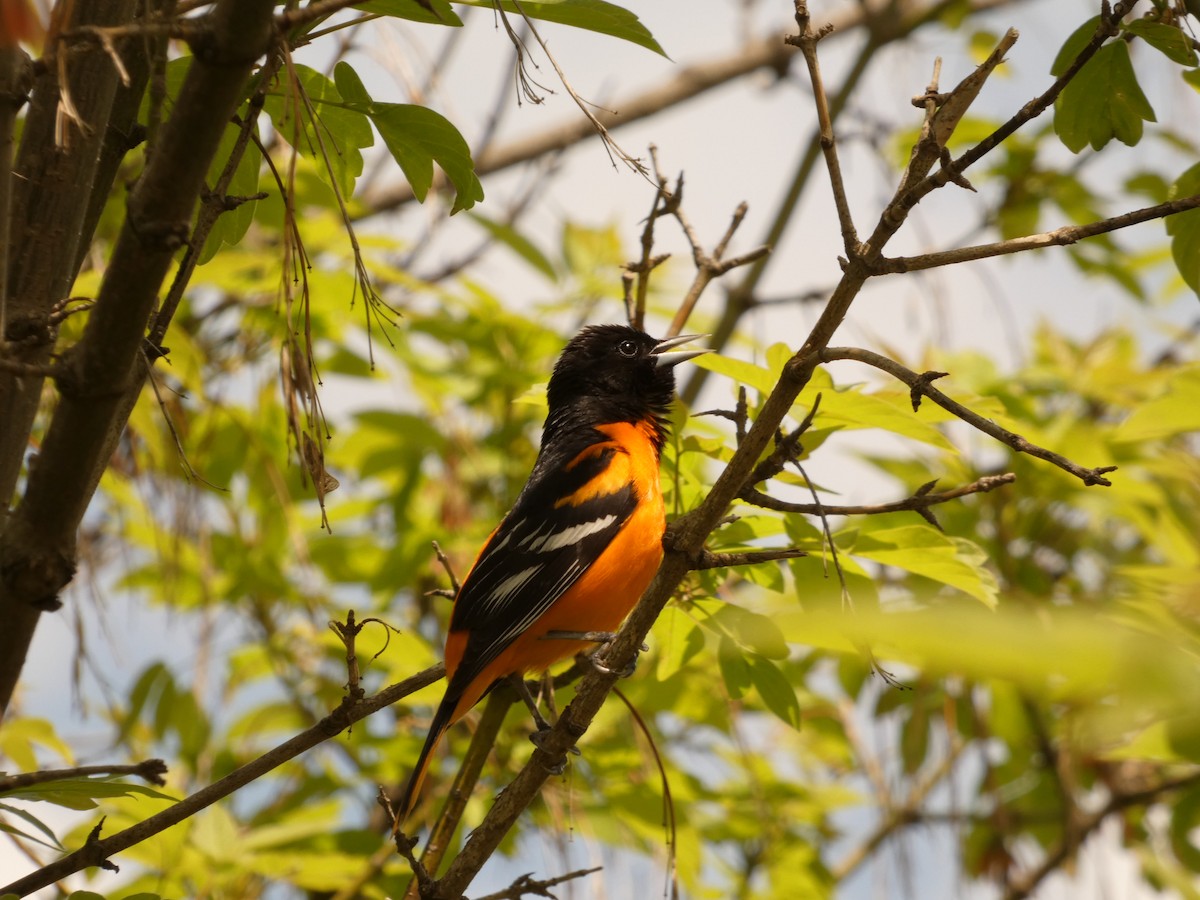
(584, 537)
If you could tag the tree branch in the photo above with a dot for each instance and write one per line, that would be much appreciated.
(151, 770)
(921, 386)
(37, 544)
(915, 503)
(895, 818)
(1023, 886)
(1059, 237)
(526, 885)
(807, 40)
(953, 169)
(881, 31)
(347, 713)
(448, 820)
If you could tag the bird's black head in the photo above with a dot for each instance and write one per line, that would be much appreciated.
(614, 373)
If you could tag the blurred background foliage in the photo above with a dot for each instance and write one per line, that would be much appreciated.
(1040, 640)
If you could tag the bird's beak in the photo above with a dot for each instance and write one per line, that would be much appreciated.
(662, 358)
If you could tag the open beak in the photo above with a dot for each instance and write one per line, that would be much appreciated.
(663, 358)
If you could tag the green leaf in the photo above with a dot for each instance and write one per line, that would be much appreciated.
(1175, 412)
(81, 793)
(433, 12)
(1184, 229)
(216, 834)
(19, 736)
(590, 15)
(417, 138)
(1167, 39)
(678, 639)
(1192, 77)
(518, 243)
(752, 631)
(325, 129)
(1184, 820)
(1073, 46)
(1102, 102)
(925, 551)
(151, 684)
(734, 668)
(1172, 740)
(742, 372)
(891, 411)
(776, 691)
(231, 226)
(310, 820)
(51, 840)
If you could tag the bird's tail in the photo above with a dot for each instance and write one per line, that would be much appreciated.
(442, 719)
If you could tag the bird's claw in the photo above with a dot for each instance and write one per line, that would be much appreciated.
(538, 739)
(622, 673)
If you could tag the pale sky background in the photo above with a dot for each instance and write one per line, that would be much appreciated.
(736, 144)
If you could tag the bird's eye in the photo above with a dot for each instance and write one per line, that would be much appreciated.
(627, 348)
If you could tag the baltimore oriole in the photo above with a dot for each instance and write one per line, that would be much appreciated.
(583, 539)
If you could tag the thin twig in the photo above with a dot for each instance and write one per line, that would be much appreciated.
(952, 169)
(638, 288)
(1059, 237)
(807, 41)
(189, 470)
(445, 561)
(526, 885)
(915, 503)
(610, 144)
(668, 800)
(787, 448)
(710, 265)
(29, 370)
(151, 770)
(706, 559)
(921, 386)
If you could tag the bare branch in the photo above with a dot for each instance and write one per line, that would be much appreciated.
(807, 40)
(151, 770)
(921, 386)
(896, 817)
(27, 369)
(527, 886)
(1024, 885)
(1059, 237)
(445, 561)
(706, 559)
(914, 503)
(346, 714)
(709, 265)
(952, 169)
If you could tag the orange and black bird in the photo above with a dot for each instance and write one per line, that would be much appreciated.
(584, 538)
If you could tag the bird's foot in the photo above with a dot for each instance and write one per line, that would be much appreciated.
(604, 639)
(602, 666)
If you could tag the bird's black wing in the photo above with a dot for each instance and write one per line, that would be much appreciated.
(562, 522)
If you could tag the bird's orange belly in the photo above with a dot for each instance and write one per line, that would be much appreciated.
(599, 601)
